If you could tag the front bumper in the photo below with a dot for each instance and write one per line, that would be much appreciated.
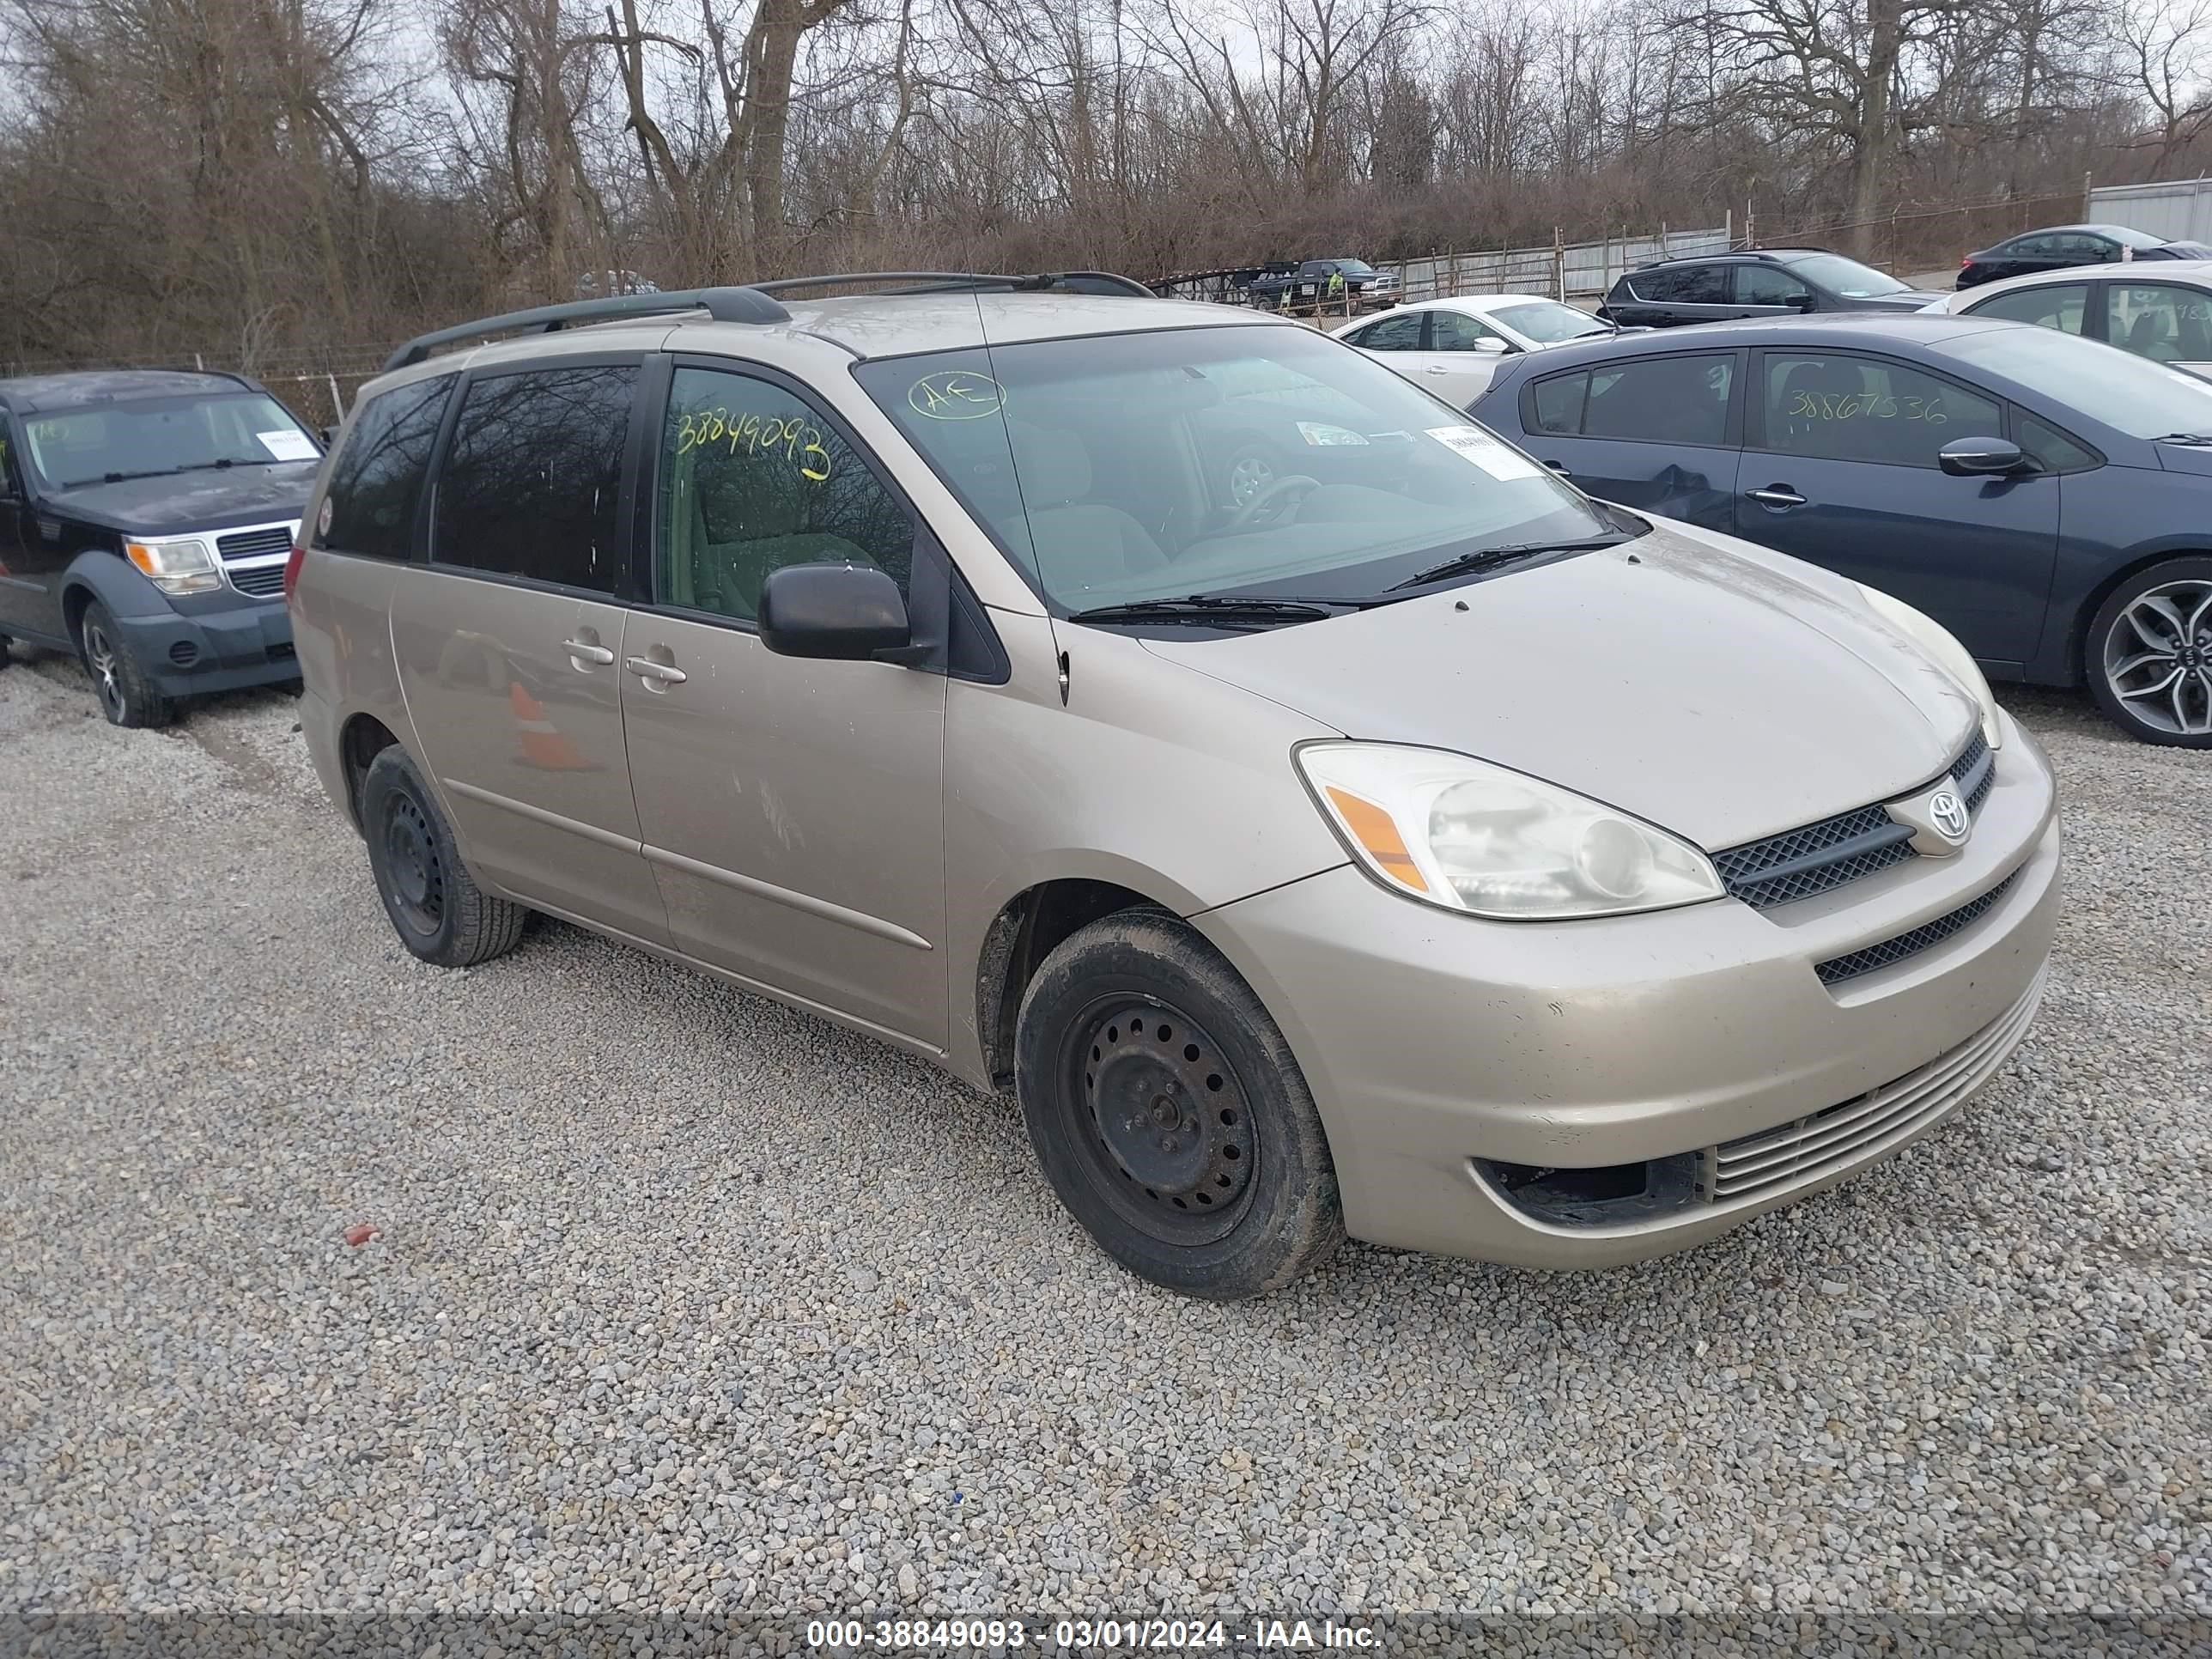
(1443, 1048)
(249, 644)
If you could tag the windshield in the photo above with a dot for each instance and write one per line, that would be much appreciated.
(2129, 394)
(1845, 278)
(1262, 460)
(163, 435)
(1546, 322)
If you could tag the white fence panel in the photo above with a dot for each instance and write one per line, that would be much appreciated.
(1578, 270)
(2179, 209)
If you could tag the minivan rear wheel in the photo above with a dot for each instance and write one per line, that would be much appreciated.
(2149, 655)
(435, 904)
(1169, 1114)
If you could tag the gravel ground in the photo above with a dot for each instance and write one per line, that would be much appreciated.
(680, 1300)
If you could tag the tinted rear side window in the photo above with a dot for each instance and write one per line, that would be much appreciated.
(377, 479)
(1683, 400)
(532, 482)
(1683, 285)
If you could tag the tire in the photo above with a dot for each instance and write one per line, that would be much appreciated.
(5, 643)
(126, 695)
(2148, 654)
(1252, 467)
(1137, 1011)
(435, 904)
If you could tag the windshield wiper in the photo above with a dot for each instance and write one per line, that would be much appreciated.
(1484, 558)
(1216, 608)
(2182, 438)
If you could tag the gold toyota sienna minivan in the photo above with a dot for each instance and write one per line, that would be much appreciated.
(1324, 818)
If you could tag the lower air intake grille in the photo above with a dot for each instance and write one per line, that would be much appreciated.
(1836, 970)
(1806, 1148)
(264, 581)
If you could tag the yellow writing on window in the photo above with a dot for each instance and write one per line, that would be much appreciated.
(791, 436)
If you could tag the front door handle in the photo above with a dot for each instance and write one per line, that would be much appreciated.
(584, 650)
(1560, 467)
(657, 675)
(1775, 495)
(1435, 368)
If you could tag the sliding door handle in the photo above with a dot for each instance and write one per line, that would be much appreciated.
(583, 651)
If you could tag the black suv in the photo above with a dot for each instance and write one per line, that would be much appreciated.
(146, 518)
(1763, 283)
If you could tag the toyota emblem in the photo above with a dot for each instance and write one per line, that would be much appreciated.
(1948, 814)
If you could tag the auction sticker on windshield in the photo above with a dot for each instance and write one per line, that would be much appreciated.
(288, 445)
(1477, 448)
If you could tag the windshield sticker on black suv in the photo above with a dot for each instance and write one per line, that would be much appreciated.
(1479, 448)
(287, 445)
(956, 394)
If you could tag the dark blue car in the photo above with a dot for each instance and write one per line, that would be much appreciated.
(2046, 498)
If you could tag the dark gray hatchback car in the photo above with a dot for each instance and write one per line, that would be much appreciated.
(2046, 498)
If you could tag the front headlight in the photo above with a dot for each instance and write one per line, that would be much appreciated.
(1467, 836)
(177, 567)
(1948, 654)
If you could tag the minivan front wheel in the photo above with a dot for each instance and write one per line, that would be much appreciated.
(435, 904)
(2150, 654)
(1169, 1114)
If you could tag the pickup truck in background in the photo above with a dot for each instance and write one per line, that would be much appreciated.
(1366, 287)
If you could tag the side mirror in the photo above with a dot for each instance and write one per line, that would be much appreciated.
(837, 612)
(1490, 346)
(1982, 457)
(330, 436)
(1799, 302)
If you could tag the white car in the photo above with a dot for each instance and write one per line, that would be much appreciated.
(2160, 309)
(1452, 347)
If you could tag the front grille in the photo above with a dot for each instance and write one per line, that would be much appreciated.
(1836, 970)
(1975, 772)
(1799, 863)
(262, 580)
(1804, 1149)
(256, 544)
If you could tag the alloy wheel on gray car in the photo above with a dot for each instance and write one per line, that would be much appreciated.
(2157, 656)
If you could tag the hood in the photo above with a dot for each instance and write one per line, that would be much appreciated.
(1913, 299)
(2185, 457)
(1715, 689)
(212, 500)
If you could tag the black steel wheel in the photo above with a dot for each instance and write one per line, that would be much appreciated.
(435, 906)
(1169, 1144)
(1167, 1111)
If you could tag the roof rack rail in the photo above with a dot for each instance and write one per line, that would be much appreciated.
(1073, 282)
(724, 305)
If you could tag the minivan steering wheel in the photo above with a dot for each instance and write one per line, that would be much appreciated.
(1265, 499)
